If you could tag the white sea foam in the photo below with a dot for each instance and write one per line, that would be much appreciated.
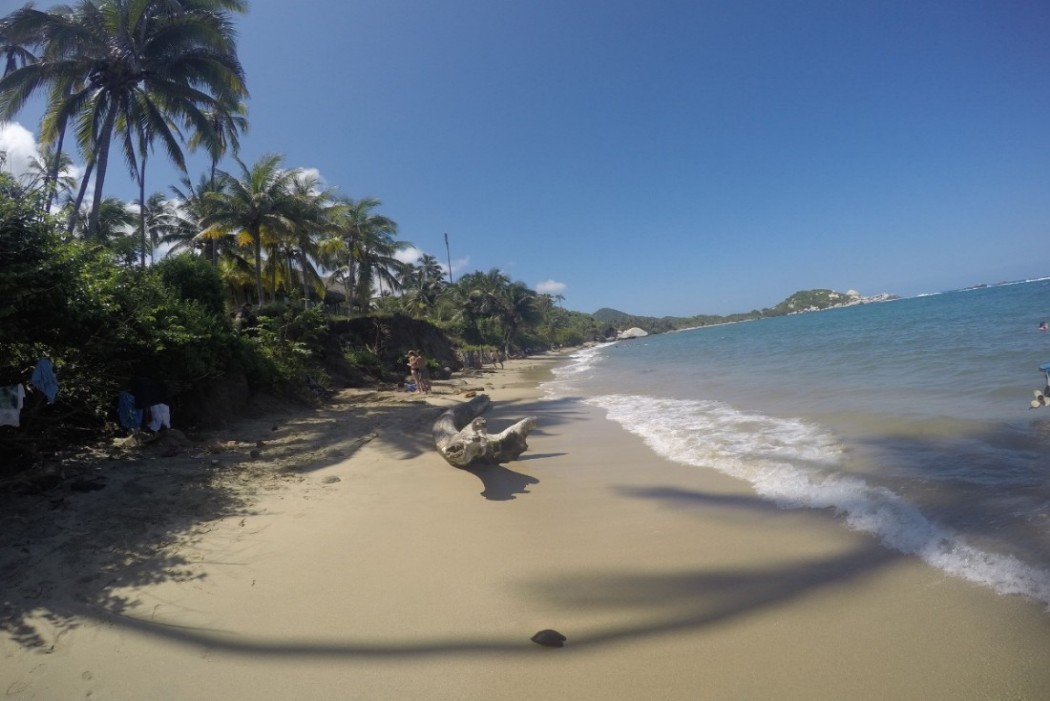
(798, 465)
(580, 367)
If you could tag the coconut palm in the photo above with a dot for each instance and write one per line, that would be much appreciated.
(21, 34)
(345, 250)
(465, 298)
(188, 208)
(517, 308)
(227, 122)
(37, 176)
(157, 219)
(317, 216)
(15, 50)
(257, 206)
(115, 229)
(378, 266)
(494, 296)
(422, 284)
(430, 271)
(136, 66)
(362, 254)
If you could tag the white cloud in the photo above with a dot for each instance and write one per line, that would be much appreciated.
(20, 146)
(311, 175)
(409, 255)
(551, 287)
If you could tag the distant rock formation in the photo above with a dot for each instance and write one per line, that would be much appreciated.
(633, 332)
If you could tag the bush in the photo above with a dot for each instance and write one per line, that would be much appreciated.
(192, 277)
(287, 343)
(365, 359)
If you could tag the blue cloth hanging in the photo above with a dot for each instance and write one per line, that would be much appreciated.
(44, 379)
(129, 416)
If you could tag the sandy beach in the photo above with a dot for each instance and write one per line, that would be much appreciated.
(333, 554)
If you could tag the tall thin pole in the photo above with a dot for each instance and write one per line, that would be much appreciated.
(449, 254)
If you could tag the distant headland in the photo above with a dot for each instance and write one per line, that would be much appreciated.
(798, 303)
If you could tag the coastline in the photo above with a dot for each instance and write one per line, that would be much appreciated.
(348, 560)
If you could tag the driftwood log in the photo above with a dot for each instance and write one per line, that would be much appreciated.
(461, 437)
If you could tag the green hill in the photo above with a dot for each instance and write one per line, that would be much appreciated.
(799, 302)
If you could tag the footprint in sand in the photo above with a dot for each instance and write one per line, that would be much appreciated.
(17, 687)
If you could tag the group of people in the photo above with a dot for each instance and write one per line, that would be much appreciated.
(417, 366)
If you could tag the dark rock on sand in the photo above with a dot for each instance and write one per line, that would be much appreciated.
(549, 638)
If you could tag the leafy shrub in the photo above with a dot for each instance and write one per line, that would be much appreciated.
(287, 342)
(364, 359)
(192, 277)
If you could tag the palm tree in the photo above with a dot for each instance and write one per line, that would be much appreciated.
(156, 218)
(514, 306)
(510, 304)
(16, 52)
(37, 175)
(58, 178)
(115, 229)
(317, 215)
(226, 124)
(378, 266)
(465, 298)
(423, 284)
(257, 205)
(188, 209)
(135, 66)
(430, 270)
(21, 35)
(363, 252)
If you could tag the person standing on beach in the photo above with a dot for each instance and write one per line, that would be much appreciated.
(412, 368)
(417, 364)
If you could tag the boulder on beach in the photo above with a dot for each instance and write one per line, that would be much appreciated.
(634, 332)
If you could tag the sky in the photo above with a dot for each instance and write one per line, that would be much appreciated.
(666, 157)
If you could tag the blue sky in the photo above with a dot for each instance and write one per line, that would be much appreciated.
(671, 158)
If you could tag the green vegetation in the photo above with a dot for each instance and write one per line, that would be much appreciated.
(187, 323)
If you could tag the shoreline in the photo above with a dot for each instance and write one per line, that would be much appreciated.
(348, 560)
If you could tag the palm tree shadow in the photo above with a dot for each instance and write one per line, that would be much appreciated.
(501, 483)
(664, 603)
(539, 456)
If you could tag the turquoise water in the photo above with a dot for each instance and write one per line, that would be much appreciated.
(911, 419)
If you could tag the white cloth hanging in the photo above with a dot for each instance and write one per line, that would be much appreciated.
(160, 415)
(11, 398)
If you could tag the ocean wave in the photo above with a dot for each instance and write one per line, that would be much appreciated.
(798, 465)
(580, 367)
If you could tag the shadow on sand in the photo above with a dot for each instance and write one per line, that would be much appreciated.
(129, 547)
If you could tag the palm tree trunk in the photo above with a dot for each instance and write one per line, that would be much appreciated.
(51, 184)
(52, 174)
(213, 244)
(306, 289)
(349, 282)
(142, 212)
(100, 177)
(258, 268)
(273, 258)
(80, 198)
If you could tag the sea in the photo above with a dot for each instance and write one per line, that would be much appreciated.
(910, 419)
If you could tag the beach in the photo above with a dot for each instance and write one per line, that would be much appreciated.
(332, 553)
